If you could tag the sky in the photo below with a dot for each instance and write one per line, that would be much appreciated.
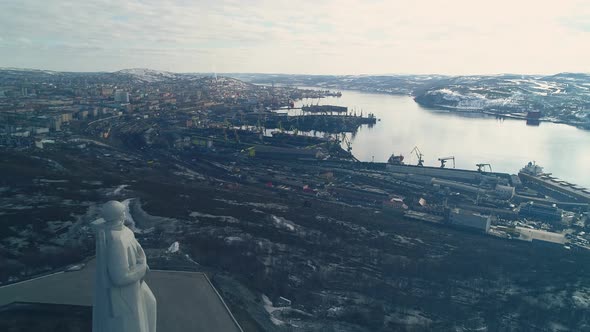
(454, 37)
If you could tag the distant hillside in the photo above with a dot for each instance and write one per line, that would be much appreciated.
(563, 97)
(134, 75)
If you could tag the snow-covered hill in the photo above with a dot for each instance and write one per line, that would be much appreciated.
(563, 96)
(147, 75)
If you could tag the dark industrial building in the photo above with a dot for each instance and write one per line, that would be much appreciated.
(540, 211)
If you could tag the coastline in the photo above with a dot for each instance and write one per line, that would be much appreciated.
(459, 111)
(513, 116)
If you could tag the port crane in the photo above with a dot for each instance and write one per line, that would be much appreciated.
(444, 160)
(260, 130)
(226, 126)
(347, 142)
(294, 130)
(281, 129)
(481, 167)
(419, 155)
(237, 136)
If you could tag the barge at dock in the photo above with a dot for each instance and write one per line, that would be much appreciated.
(326, 109)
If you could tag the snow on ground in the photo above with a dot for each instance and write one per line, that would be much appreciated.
(544, 85)
(517, 81)
(448, 94)
(119, 189)
(403, 239)
(334, 311)
(51, 163)
(558, 327)
(228, 219)
(189, 173)
(270, 308)
(283, 223)
(174, 247)
(233, 239)
(269, 206)
(581, 298)
(147, 75)
(409, 318)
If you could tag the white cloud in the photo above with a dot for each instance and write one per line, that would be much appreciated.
(320, 36)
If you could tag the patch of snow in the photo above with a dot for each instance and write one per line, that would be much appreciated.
(581, 298)
(283, 223)
(544, 85)
(228, 219)
(448, 94)
(118, 190)
(270, 206)
(174, 247)
(190, 259)
(75, 267)
(232, 239)
(189, 173)
(558, 327)
(270, 308)
(147, 75)
(403, 239)
(334, 312)
(408, 318)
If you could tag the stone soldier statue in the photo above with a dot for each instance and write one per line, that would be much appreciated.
(123, 302)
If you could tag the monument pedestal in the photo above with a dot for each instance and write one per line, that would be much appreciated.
(187, 301)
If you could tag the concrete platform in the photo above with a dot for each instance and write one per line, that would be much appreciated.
(187, 301)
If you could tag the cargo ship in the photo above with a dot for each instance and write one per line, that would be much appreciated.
(534, 174)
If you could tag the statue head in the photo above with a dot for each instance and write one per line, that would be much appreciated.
(113, 212)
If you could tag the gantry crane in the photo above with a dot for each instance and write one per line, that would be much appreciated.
(294, 130)
(419, 155)
(237, 136)
(444, 160)
(281, 129)
(481, 167)
(346, 141)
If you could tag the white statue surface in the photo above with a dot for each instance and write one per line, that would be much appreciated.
(123, 302)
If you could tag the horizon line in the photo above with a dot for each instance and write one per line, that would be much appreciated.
(287, 74)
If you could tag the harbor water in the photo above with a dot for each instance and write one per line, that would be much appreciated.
(471, 138)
